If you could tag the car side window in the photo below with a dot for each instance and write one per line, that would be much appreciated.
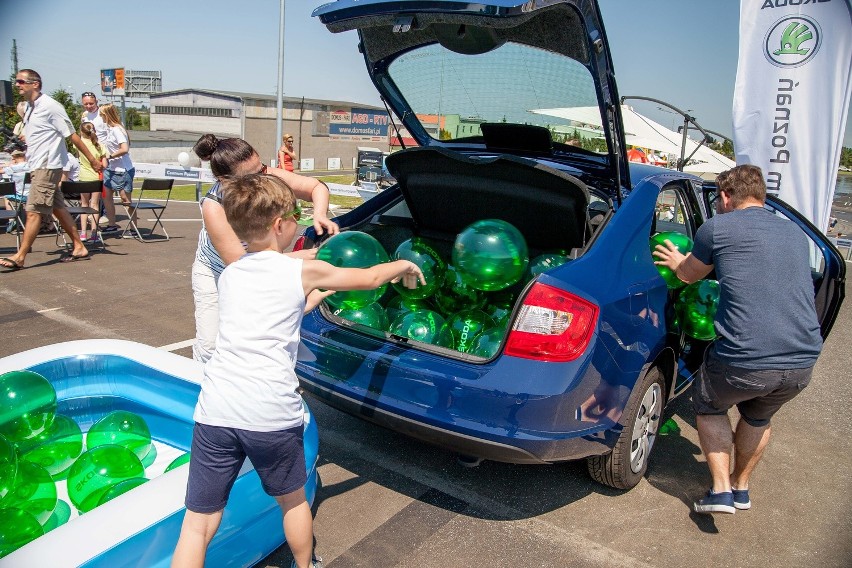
(670, 214)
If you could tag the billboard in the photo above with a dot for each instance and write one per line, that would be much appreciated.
(358, 124)
(112, 81)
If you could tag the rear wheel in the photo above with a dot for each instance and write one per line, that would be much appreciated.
(625, 465)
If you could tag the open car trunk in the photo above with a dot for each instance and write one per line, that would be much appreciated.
(443, 192)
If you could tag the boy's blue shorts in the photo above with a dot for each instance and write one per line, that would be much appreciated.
(218, 454)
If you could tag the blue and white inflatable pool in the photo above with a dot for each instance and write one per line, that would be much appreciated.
(141, 527)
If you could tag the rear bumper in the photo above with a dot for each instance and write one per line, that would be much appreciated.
(526, 451)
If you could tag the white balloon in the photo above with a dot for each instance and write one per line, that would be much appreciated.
(183, 159)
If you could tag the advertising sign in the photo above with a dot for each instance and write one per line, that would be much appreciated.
(791, 99)
(112, 81)
(358, 124)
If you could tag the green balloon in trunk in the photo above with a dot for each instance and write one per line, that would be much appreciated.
(422, 253)
(372, 315)
(466, 326)
(353, 249)
(491, 254)
(421, 325)
(455, 294)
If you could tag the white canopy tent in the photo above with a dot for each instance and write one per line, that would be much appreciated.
(643, 132)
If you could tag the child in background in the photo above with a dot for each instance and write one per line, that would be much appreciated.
(16, 172)
(249, 405)
(89, 136)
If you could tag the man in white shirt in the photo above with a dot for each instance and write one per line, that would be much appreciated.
(46, 126)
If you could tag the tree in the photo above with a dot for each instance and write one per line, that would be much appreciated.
(75, 111)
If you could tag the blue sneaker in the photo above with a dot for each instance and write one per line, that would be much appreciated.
(741, 500)
(716, 503)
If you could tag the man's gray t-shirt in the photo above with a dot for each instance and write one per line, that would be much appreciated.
(766, 317)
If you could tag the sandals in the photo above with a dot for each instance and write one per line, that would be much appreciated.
(9, 265)
(73, 257)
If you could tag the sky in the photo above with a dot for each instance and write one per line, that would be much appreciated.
(683, 52)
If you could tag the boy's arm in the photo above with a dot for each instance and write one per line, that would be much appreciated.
(315, 297)
(320, 274)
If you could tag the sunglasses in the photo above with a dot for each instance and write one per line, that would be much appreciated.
(262, 169)
(25, 81)
(296, 213)
(88, 94)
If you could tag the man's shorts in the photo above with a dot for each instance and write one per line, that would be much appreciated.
(757, 393)
(119, 180)
(45, 195)
(218, 454)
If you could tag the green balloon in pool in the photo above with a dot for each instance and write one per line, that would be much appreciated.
(122, 428)
(455, 294)
(121, 488)
(34, 492)
(420, 325)
(696, 309)
(97, 470)
(178, 461)
(59, 517)
(27, 405)
(8, 466)
(372, 315)
(422, 253)
(466, 326)
(56, 448)
(682, 243)
(491, 254)
(17, 528)
(353, 249)
(487, 343)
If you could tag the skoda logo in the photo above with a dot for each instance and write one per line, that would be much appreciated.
(792, 41)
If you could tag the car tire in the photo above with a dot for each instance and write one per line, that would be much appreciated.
(624, 466)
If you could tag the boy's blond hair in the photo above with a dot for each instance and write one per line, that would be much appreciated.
(253, 202)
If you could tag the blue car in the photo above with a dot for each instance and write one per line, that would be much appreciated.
(591, 354)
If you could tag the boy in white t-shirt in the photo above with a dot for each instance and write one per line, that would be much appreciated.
(249, 405)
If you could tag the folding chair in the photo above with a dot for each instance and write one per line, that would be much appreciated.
(7, 190)
(73, 190)
(157, 209)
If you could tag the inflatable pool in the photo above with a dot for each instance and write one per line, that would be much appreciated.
(140, 528)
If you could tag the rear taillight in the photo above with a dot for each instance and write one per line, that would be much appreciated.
(552, 325)
(300, 243)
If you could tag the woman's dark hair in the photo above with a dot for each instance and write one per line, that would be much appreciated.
(224, 154)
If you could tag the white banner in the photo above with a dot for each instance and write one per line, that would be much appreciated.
(792, 96)
(191, 175)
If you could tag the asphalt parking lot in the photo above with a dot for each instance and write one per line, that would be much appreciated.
(387, 500)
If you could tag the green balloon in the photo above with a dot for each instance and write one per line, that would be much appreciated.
(372, 315)
(59, 517)
(682, 243)
(420, 325)
(353, 249)
(466, 326)
(56, 448)
(696, 309)
(121, 488)
(455, 294)
(17, 528)
(122, 428)
(8, 466)
(491, 254)
(487, 343)
(97, 470)
(545, 262)
(27, 405)
(423, 254)
(178, 461)
(397, 305)
(34, 492)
